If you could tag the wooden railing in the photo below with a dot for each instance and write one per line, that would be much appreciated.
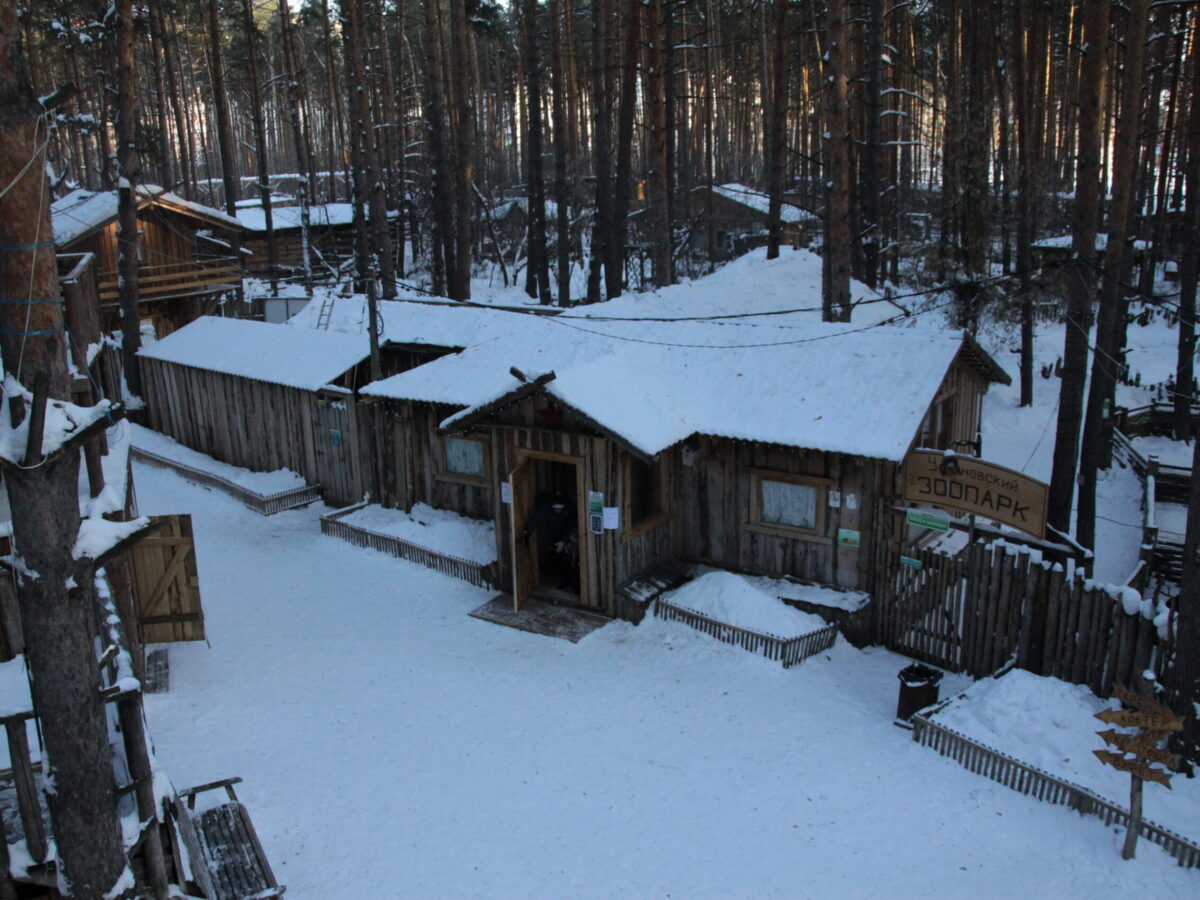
(478, 574)
(176, 279)
(1030, 780)
(788, 651)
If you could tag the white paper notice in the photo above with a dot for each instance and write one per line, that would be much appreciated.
(612, 518)
(852, 501)
(835, 499)
(505, 492)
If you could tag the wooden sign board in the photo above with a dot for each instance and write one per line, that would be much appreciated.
(1128, 718)
(1141, 745)
(1133, 767)
(974, 486)
(1142, 702)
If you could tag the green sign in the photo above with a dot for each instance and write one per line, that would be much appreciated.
(910, 562)
(928, 520)
(848, 538)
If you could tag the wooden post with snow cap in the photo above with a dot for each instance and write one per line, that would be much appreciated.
(1138, 752)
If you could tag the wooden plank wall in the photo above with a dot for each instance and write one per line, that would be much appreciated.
(246, 423)
(713, 499)
(412, 451)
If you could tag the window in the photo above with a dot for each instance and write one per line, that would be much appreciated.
(464, 459)
(787, 503)
(646, 495)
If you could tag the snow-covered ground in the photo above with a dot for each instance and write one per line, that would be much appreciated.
(434, 529)
(392, 746)
(1050, 724)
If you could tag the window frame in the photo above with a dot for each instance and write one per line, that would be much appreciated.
(820, 484)
(443, 470)
(633, 529)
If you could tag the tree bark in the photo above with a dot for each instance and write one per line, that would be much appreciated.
(260, 141)
(1081, 273)
(537, 282)
(303, 154)
(657, 182)
(1189, 263)
(835, 256)
(56, 621)
(216, 65)
(602, 227)
(562, 217)
(127, 227)
(872, 156)
(462, 50)
(614, 268)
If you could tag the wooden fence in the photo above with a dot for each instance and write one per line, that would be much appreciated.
(789, 651)
(478, 574)
(1030, 780)
(267, 504)
(1155, 418)
(975, 611)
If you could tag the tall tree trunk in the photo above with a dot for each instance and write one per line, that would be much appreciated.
(657, 182)
(1094, 450)
(537, 282)
(562, 217)
(462, 52)
(304, 163)
(435, 117)
(614, 267)
(835, 256)
(128, 175)
(260, 141)
(216, 65)
(1189, 265)
(1081, 273)
(56, 620)
(872, 157)
(774, 129)
(602, 227)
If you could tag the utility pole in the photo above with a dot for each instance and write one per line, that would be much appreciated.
(56, 591)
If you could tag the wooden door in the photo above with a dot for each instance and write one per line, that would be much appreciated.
(524, 553)
(166, 583)
(333, 442)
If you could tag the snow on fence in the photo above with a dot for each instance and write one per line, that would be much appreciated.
(267, 504)
(478, 574)
(1032, 781)
(789, 651)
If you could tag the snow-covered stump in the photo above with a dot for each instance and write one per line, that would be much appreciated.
(788, 651)
(266, 504)
(1030, 780)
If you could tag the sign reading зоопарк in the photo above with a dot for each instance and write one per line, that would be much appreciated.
(975, 486)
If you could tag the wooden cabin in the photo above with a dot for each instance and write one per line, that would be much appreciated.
(773, 460)
(330, 236)
(185, 270)
(738, 221)
(263, 397)
(779, 457)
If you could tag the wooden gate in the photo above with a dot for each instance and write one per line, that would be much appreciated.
(922, 614)
(166, 583)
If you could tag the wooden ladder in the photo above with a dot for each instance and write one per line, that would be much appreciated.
(325, 312)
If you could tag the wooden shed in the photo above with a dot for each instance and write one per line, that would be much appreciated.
(777, 457)
(330, 236)
(738, 221)
(264, 397)
(185, 266)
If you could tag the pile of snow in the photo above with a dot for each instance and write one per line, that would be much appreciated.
(1050, 724)
(733, 600)
(816, 594)
(440, 530)
(265, 483)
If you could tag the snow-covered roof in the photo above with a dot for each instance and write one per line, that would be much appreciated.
(505, 208)
(82, 212)
(301, 358)
(759, 202)
(325, 215)
(833, 387)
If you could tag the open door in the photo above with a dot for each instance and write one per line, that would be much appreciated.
(524, 554)
(166, 583)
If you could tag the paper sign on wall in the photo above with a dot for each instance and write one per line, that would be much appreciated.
(612, 518)
(595, 512)
(505, 492)
(852, 501)
(835, 499)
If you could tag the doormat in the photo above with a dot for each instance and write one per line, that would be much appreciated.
(540, 617)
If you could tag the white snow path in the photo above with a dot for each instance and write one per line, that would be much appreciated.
(394, 747)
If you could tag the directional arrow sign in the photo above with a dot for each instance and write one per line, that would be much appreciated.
(1125, 718)
(1141, 701)
(1141, 770)
(1138, 745)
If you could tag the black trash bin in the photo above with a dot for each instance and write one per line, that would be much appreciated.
(918, 689)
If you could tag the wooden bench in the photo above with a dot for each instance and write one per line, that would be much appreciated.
(227, 860)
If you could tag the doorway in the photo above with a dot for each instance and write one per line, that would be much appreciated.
(552, 564)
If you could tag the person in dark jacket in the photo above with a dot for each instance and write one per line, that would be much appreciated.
(559, 517)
